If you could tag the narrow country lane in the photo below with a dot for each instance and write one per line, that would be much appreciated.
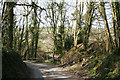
(46, 72)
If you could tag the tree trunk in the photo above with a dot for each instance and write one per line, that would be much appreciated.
(117, 14)
(114, 26)
(9, 20)
(88, 25)
(75, 36)
(21, 39)
(109, 45)
(36, 30)
(26, 36)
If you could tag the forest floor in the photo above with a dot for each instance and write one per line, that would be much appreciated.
(43, 71)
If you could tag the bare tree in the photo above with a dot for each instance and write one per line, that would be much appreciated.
(109, 42)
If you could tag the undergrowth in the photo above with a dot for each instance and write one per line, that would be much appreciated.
(98, 64)
(105, 68)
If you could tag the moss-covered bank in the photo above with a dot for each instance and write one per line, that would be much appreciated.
(12, 65)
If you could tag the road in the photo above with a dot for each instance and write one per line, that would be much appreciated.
(46, 72)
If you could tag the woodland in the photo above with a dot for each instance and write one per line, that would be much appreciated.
(84, 35)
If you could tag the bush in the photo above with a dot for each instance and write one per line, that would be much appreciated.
(69, 42)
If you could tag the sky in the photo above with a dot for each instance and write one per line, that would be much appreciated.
(71, 4)
(70, 9)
